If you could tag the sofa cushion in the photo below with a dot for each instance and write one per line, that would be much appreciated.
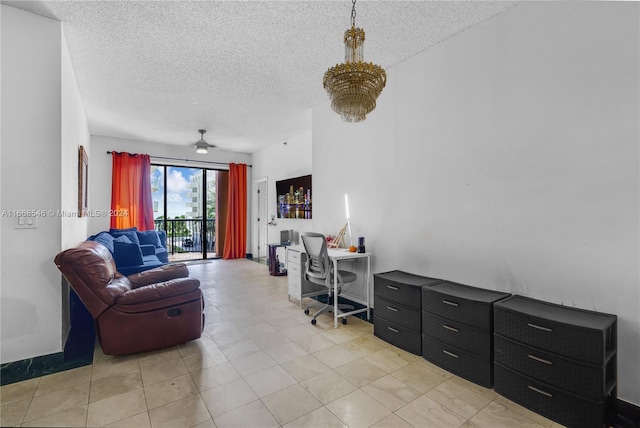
(162, 254)
(147, 265)
(162, 234)
(105, 239)
(147, 260)
(149, 237)
(131, 234)
(126, 253)
(129, 229)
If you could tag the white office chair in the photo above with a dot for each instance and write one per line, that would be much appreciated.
(319, 270)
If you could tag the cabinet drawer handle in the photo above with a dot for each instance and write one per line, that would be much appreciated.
(451, 354)
(539, 391)
(392, 287)
(392, 309)
(450, 328)
(447, 302)
(533, 357)
(538, 327)
(393, 330)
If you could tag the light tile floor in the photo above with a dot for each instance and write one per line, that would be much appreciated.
(260, 363)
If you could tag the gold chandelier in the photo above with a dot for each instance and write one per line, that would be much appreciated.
(355, 85)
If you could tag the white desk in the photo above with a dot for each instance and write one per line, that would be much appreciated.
(337, 255)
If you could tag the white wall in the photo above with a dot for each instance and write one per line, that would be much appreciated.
(31, 152)
(277, 162)
(506, 157)
(75, 133)
(100, 169)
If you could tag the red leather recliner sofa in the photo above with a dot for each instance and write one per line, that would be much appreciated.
(145, 311)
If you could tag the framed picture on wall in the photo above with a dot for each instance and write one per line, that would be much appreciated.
(83, 182)
(294, 197)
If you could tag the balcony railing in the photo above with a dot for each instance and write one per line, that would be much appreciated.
(186, 235)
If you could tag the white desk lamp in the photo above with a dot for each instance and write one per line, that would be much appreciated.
(339, 238)
(346, 203)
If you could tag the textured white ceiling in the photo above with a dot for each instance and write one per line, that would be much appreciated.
(247, 71)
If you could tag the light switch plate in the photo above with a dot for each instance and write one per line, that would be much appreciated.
(25, 223)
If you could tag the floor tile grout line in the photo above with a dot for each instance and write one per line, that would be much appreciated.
(27, 411)
(86, 416)
(518, 412)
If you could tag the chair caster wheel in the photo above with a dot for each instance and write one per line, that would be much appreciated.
(306, 311)
(313, 322)
(344, 320)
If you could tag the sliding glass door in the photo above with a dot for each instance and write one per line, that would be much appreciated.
(184, 205)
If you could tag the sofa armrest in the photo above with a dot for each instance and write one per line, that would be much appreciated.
(162, 254)
(159, 291)
(159, 274)
(148, 249)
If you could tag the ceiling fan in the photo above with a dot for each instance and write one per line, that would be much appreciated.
(201, 145)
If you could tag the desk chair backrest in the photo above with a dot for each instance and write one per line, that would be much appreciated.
(318, 267)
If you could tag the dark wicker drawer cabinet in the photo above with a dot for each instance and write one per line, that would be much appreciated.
(556, 360)
(457, 329)
(397, 315)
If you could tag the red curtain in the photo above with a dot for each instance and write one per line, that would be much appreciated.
(131, 204)
(235, 245)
